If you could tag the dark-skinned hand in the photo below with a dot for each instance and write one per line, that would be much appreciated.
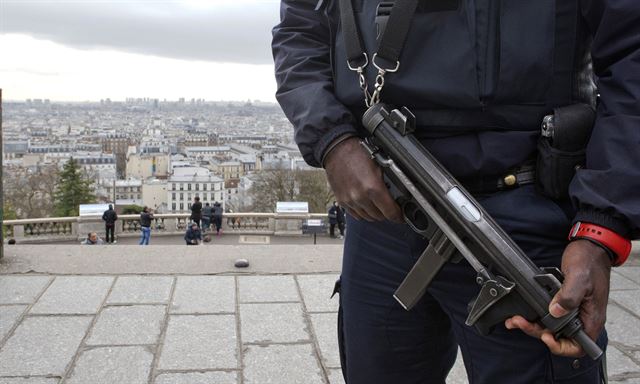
(356, 181)
(587, 270)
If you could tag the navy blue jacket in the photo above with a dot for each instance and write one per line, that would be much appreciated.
(479, 79)
(191, 235)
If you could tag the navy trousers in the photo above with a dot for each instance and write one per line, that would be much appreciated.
(382, 343)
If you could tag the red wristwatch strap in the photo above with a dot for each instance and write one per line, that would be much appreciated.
(620, 246)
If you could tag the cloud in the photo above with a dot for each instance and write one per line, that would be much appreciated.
(33, 68)
(210, 30)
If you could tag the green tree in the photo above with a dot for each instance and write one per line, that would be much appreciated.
(72, 189)
(8, 213)
(131, 209)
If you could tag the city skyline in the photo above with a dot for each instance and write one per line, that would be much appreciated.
(86, 51)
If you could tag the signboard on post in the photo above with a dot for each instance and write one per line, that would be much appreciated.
(292, 207)
(313, 226)
(92, 209)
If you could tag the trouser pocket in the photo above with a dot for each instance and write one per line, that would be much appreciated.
(341, 345)
(584, 370)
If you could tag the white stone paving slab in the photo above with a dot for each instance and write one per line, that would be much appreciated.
(458, 374)
(622, 327)
(204, 294)
(272, 323)
(316, 292)
(112, 365)
(627, 299)
(335, 376)
(122, 325)
(43, 345)
(73, 295)
(618, 363)
(267, 289)
(141, 290)
(632, 273)
(31, 380)
(197, 378)
(281, 364)
(9, 314)
(325, 329)
(620, 282)
(21, 289)
(200, 342)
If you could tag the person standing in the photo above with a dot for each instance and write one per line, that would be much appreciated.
(340, 212)
(145, 226)
(207, 211)
(110, 217)
(196, 210)
(333, 219)
(217, 217)
(193, 236)
(479, 77)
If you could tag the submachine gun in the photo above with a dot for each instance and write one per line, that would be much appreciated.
(436, 206)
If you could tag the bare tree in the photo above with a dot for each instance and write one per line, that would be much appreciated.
(30, 193)
(276, 185)
(272, 186)
(313, 187)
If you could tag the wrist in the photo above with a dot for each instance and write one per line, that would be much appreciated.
(335, 147)
(617, 247)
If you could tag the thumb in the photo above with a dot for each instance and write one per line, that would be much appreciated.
(556, 310)
(568, 297)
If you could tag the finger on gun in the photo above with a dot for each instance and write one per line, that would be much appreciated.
(357, 213)
(370, 210)
(389, 208)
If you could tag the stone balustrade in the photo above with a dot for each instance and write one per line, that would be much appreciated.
(76, 228)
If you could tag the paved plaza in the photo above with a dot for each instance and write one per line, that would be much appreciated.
(180, 315)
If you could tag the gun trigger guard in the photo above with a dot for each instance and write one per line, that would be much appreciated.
(492, 291)
(551, 279)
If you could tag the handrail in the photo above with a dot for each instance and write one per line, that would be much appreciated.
(72, 219)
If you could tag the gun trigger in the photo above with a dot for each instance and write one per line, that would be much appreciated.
(492, 291)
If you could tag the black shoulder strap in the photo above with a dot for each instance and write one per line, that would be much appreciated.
(397, 29)
(393, 37)
(352, 40)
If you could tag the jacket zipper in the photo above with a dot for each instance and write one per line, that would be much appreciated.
(491, 52)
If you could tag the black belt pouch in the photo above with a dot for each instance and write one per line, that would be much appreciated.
(562, 148)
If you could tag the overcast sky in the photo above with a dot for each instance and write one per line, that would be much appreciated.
(91, 49)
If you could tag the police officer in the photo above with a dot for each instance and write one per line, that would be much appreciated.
(479, 76)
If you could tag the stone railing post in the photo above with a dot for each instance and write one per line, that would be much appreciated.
(18, 232)
(74, 229)
(170, 225)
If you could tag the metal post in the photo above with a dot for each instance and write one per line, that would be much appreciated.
(1, 185)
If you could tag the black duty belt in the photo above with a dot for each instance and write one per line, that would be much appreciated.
(517, 177)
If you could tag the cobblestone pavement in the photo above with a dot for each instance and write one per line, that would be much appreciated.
(192, 329)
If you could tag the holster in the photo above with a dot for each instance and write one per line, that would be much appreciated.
(562, 148)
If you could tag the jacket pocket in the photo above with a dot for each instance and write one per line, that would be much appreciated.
(527, 32)
(437, 64)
